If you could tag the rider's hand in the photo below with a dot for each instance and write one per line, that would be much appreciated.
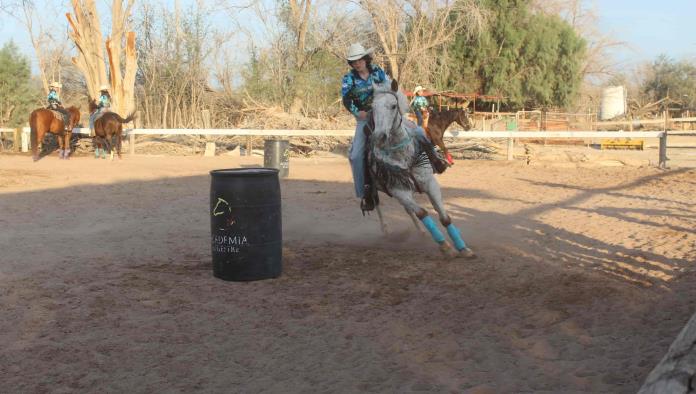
(362, 115)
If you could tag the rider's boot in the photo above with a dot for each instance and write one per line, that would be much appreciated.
(439, 165)
(368, 202)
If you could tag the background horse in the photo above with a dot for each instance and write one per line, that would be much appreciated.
(43, 120)
(399, 167)
(108, 126)
(440, 121)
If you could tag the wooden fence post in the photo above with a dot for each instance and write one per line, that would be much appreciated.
(25, 139)
(663, 150)
(131, 136)
(16, 141)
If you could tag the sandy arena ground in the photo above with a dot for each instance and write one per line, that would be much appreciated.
(585, 276)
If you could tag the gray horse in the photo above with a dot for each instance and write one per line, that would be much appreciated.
(399, 167)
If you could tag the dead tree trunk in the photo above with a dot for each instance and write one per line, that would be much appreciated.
(87, 35)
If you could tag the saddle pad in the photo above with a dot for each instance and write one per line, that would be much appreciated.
(57, 115)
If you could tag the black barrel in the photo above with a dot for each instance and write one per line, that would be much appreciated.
(276, 155)
(245, 224)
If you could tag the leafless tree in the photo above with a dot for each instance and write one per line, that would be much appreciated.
(94, 53)
(411, 32)
(50, 49)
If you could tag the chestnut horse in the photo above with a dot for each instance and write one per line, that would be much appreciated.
(43, 120)
(106, 127)
(440, 121)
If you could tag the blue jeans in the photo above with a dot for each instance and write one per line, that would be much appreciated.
(419, 115)
(356, 155)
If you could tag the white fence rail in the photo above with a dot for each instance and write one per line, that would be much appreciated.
(509, 135)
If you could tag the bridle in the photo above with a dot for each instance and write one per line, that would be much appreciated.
(395, 126)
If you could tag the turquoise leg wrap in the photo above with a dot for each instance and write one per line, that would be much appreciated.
(96, 152)
(456, 237)
(429, 223)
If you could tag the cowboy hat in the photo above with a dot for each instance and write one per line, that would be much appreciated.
(417, 89)
(103, 88)
(357, 51)
(54, 84)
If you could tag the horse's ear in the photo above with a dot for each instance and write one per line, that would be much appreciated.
(394, 85)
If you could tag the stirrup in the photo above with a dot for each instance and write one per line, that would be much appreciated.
(367, 203)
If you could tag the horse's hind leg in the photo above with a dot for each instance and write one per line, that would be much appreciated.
(118, 144)
(406, 199)
(382, 224)
(107, 146)
(414, 219)
(96, 143)
(434, 193)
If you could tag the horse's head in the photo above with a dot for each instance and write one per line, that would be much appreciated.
(92, 105)
(463, 118)
(74, 116)
(388, 107)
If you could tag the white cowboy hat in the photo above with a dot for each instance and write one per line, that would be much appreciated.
(104, 87)
(55, 85)
(417, 89)
(357, 51)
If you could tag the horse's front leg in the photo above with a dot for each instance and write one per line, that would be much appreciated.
(439, 141)
(432, 189)
(66, 144)
(59, 143)
(407, 200)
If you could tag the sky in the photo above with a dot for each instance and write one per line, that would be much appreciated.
(648, 27)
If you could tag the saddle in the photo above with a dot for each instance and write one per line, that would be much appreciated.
(62, 116)
(370, 196)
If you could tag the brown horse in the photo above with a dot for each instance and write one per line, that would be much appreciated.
(440, 121)
(108, 126)
(43, 120)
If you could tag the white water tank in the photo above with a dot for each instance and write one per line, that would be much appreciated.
(613, 102)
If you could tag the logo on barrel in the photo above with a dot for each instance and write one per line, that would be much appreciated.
(226, 242)
(222, 207)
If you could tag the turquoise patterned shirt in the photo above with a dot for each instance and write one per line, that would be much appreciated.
(53, 97)
(357, 92)
(104, 101)
(419, 103)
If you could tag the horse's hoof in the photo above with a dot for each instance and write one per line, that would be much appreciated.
(467, 253)
(447, 250)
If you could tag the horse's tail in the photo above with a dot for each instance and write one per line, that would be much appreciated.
(128, 119)
(33, 135)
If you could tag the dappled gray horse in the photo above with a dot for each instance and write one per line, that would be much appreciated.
(399, 167)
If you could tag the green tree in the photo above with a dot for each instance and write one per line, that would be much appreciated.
(17, 93)
(668, 78)
(533, 59)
